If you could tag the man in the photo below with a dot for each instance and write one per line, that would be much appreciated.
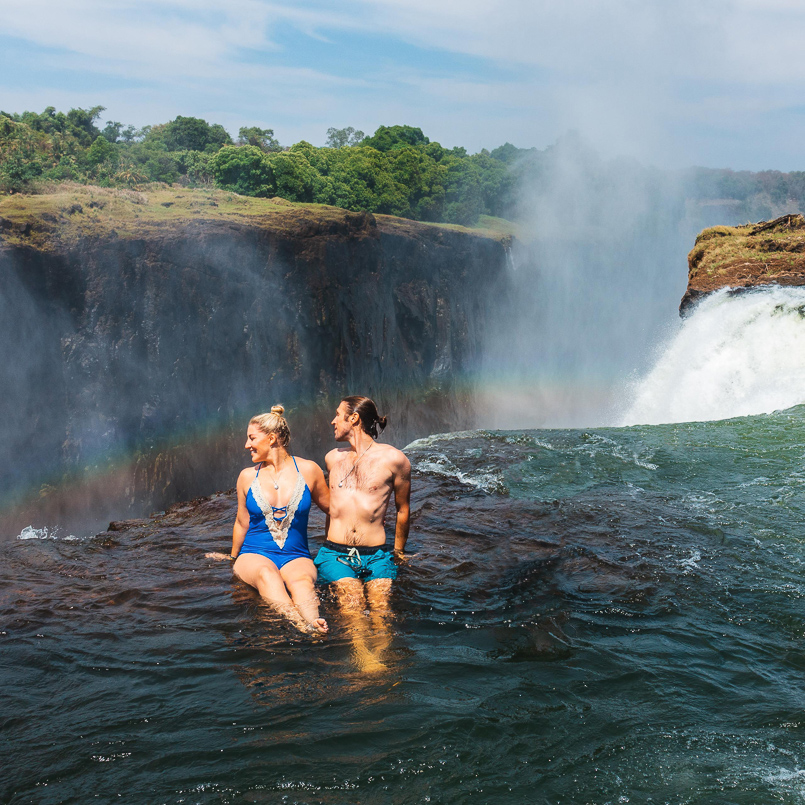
(363, 475)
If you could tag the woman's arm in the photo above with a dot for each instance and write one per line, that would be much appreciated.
(319, 490)
(242, 520)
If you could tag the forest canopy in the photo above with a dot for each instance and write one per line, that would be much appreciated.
(397, 170)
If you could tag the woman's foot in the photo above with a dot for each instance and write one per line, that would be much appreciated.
(319, 626)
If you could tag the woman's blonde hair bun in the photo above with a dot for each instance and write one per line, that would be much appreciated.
(274, 422)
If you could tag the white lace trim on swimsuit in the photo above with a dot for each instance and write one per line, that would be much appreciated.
(279, 530)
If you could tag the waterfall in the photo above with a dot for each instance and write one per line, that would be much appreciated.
(733, 355)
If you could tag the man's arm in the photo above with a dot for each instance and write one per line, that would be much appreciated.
(402, 500)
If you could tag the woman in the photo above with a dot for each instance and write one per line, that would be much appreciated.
(269, 540)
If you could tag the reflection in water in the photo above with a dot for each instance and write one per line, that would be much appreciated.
(366, 612)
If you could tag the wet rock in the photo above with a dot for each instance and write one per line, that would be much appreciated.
(158, 345)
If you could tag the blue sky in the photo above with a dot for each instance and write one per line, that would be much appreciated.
(713, 82)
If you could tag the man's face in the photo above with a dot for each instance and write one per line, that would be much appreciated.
(343, 422)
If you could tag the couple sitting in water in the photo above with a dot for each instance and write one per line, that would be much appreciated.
(269, 540)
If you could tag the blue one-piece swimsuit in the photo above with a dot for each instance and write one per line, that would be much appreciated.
(287, 539)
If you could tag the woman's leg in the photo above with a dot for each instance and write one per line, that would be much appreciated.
(262, 574)
(299, 576)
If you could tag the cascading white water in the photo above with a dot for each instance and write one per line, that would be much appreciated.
(734, 355)
(597, 273)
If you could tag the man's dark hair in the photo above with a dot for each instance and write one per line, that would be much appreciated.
(367, 411)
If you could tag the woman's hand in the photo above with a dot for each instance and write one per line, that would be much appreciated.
(218, 556)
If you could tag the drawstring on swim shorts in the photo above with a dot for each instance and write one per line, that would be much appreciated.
(353, 561)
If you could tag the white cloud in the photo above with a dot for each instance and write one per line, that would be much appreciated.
(652, 78)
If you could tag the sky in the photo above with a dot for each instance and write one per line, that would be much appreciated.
(719, 83)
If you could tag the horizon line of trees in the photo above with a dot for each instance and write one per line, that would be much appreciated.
(397, 170)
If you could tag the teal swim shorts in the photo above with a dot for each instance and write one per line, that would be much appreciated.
(335, 561)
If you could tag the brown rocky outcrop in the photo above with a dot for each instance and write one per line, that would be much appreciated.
(767, 253)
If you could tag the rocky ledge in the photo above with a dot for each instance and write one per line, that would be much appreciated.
(766, 253)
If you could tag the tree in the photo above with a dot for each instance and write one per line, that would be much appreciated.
(81, 124)
(343, 138)
(260, 138)
(423, 178)
(111, 131)
(191, 134)
(77, 127)
(130, 176)
(464, 199)
(361, 179)
(388, 137)
(508, 153)
(20, 161)
(100, 151)
(245, 170)
(295, 178)
(129, 134)
(196, 167)
(497, 184)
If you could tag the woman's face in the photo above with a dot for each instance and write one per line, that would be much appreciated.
(259, 443)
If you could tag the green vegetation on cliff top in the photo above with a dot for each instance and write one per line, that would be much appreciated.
(396, 171)
(68, 212)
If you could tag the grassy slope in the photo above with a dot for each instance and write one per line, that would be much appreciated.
(71, 212)
(754, 254)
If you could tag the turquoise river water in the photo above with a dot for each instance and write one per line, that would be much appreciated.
(587, 616)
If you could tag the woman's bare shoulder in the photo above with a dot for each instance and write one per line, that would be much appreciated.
(247, 475)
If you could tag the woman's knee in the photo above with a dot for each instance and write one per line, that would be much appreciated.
(268, 575)
(302, 586)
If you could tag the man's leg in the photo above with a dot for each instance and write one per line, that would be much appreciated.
(299, 576)
(352, 603)
(378, 594)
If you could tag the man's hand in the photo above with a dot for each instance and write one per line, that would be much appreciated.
(403, 557)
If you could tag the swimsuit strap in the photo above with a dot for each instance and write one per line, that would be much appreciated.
(259, 468)
(295, 464)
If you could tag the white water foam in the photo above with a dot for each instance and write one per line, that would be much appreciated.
(29, 532)
(734, 355)
(438, 464)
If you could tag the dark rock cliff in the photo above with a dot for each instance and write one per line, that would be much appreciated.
(132, 360)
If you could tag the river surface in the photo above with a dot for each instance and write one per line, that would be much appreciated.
(587, 616)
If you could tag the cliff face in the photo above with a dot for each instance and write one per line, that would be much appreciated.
(771, 252)
(138, 341)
